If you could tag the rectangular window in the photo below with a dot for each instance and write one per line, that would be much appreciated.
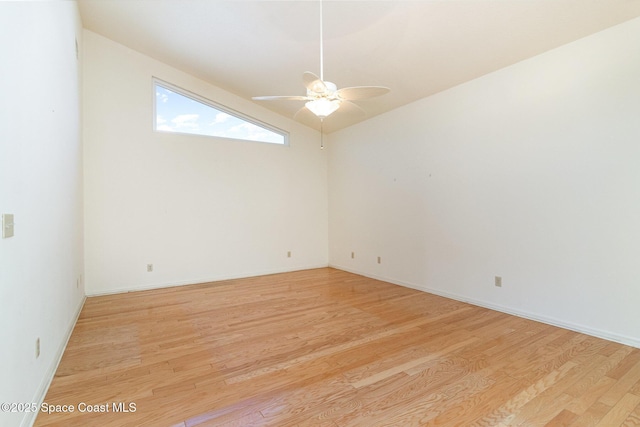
(180, 111)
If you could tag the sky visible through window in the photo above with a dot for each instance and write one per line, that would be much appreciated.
(178, 113)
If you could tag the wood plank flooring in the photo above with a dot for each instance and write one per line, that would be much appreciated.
(328, 348)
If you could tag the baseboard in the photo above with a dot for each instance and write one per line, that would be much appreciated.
(196, 281)
(30, 417)
(598, 333)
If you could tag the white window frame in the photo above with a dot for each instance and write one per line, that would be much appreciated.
(217, 106)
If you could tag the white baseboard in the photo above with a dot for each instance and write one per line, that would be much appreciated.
(598, 333)
(197, 281)
(30, 417)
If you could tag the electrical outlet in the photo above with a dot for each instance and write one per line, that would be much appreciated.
(353, 255)
(37, 347)
(149, 268)
(498, 281)
(7, 226)
(288, 254)
(379, 260)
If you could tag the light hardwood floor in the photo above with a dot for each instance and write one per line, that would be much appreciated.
(328, 348)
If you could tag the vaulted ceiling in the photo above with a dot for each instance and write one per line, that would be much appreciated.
(416, 48)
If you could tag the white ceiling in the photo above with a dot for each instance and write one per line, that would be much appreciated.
(416, 48)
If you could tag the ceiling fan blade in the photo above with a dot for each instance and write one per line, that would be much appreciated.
(361, 92)
(306, 117)
(281, 98)
(313, 82)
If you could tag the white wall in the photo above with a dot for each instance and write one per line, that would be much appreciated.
(197, 208)
(531, 173)
(41, 184)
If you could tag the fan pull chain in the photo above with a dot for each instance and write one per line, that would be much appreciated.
(321, 136)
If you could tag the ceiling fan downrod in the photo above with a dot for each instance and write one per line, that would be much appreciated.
(321, 46)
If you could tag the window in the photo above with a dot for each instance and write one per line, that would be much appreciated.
(183, 112)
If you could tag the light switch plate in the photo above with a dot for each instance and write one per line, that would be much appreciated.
(7, 225)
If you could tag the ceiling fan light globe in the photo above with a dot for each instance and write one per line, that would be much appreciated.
(323, 107)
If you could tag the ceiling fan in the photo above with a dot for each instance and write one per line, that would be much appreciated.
(323, 97)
